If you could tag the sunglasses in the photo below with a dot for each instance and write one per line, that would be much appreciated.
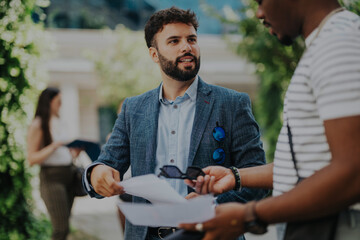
(219, 136)
(171, 171)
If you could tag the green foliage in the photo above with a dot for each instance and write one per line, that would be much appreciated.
(125, 69)
(21, 42)
(351, 5)
(274, 64)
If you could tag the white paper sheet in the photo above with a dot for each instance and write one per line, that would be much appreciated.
(152, 188)
(197, 209)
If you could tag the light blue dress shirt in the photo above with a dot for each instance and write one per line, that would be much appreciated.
(175, 125)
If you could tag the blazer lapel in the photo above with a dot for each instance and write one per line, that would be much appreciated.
(204, 104)
(150, 133)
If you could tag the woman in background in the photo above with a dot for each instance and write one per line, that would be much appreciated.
(45, 142)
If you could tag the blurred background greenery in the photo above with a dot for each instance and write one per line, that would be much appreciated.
(25, 46)
(125, 60)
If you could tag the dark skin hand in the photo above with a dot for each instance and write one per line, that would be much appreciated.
(219, 179)
(311, 198)
(226, 218)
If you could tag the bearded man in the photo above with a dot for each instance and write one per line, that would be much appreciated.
(174, 123)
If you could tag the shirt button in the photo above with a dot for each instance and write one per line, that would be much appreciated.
(175, 106)
(173, 132)
(172, 160)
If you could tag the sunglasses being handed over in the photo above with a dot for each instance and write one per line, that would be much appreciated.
(171, 171)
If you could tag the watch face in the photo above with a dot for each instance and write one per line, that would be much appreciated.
(256, 227)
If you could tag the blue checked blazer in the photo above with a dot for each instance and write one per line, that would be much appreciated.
(133, 140)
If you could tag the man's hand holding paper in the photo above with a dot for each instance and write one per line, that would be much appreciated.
(168, 208)
(105, 181)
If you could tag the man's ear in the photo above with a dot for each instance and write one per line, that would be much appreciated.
(153, 52)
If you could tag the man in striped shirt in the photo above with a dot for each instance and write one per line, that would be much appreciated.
(322, 114)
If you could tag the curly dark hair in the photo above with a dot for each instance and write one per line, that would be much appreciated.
(170, 15)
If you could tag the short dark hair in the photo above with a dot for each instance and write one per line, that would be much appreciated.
(170, 15)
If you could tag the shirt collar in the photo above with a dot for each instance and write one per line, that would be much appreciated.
(311, 37)
(315, 33)
(191, 92)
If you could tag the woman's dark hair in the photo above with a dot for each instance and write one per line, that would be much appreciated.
(170, 15)
(43, 111)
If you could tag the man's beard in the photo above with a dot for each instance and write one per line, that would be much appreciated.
(171, 68)
(286, 40)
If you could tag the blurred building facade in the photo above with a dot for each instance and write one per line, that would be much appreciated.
(75, 75)
(95, 14)
(75, 24)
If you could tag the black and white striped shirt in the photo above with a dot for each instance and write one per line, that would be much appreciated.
(325, 85)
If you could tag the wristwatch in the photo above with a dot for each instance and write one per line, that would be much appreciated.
(252, 223)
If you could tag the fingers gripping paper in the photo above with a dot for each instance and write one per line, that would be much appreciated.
(168, 208)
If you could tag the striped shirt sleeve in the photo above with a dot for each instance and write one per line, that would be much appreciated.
(336, 76)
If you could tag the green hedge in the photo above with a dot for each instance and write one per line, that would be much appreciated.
(275, 65)
(21, 44)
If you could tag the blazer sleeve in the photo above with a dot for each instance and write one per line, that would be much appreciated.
(116, 152)
(246, 149)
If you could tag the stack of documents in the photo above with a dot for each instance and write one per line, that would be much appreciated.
(168, 208)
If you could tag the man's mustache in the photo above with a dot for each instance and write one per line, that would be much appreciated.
(185, 55)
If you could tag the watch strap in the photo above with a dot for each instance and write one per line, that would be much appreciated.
(252, 223)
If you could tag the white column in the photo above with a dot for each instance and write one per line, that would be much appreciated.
(70, 111)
